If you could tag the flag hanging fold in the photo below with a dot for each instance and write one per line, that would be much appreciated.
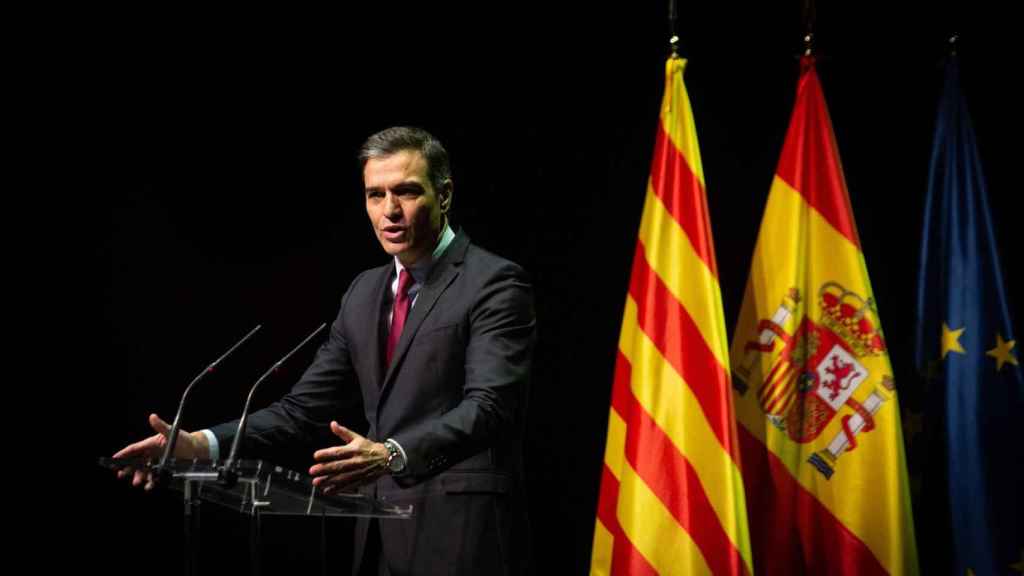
(671, 499)
(965, 349)
(819, 419)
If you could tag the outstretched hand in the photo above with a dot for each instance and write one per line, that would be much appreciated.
(189, 445)
(356, 462)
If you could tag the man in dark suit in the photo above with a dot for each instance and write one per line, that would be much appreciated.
(436, 346)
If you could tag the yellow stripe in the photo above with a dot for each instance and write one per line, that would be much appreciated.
(677, 117)
(614, 458)
(601, 558)
(668, 399)
(615, 447)
(653, 530)
(673, 258)
(797, 247)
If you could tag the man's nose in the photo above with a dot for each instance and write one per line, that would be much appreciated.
(392, 207)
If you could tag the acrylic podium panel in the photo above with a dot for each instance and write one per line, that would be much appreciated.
(264, 488)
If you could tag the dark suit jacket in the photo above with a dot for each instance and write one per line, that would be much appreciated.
(453, 397)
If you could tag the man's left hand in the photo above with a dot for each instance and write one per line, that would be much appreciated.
(356, 462)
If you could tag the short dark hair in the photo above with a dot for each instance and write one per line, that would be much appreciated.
(397, 138)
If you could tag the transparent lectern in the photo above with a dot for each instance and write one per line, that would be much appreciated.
(261, 488)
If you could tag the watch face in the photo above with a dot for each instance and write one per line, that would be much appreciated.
(397, 463)
(394, 462)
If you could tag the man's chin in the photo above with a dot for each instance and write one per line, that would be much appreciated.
(402, 252)
(394, 248)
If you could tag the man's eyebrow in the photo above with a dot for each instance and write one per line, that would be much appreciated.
(407, 185)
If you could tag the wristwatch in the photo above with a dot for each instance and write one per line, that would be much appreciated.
(396, 462)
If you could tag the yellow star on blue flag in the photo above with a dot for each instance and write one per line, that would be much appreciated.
(951, 340)
(1003, 352)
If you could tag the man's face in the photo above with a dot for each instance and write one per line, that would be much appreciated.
(404, 209)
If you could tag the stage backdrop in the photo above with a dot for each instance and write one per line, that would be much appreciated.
(220, 190)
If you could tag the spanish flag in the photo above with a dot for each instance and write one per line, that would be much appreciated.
(671, 499)
(819, 417)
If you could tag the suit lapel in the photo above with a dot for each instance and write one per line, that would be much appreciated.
(377, 332)
(441, 276)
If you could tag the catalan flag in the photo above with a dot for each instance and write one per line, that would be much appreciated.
(967, 353)
(671, 499)
(817, 410)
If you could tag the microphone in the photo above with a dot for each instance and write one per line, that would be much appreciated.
(227, 474)
(172, 439)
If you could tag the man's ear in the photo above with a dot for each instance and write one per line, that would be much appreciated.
(445, 196)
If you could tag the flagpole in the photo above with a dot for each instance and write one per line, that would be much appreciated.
(809, 15)
(673, 40)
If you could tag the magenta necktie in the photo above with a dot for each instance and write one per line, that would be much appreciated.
(401, 311)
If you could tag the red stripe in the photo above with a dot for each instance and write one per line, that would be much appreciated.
(672, 478)
(626, 559)
(810, 159)
(683, 196)
(790, 530)
(674, 333)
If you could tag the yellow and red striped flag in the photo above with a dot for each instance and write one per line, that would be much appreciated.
(819, 419)
(671, 498)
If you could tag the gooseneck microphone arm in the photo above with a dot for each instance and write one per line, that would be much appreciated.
(172, 438)
(227, 475)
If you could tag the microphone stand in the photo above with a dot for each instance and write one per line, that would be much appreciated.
(161, 470)
(227, 475)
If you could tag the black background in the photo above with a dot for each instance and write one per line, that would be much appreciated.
(212, 159)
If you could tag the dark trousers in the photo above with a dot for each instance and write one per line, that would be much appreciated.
(374, 563)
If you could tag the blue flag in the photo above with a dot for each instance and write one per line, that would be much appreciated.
(966, 349)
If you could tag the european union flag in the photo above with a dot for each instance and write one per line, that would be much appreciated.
(966, 348)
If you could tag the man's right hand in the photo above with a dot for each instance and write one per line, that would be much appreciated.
(189, 445)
